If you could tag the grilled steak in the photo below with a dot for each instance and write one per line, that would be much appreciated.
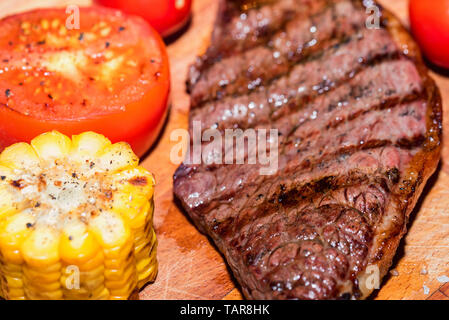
(359, 127)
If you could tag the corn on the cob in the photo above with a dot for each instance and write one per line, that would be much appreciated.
(75, 219)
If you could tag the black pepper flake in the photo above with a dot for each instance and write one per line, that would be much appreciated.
(70, 238)
(20, 83)
(40, 43)
(52, 197)
(92, 164)
(121, 28)
(37, 205)
(50, 96)
(17, 183)
(74, 175)
(8, 93)
(346, 296)
(107, 44)
(152, 60)
(29, 225)
(81, 36)
(3, 178)
(5, 60)
(10, 43)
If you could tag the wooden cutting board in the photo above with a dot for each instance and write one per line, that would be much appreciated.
(191, 267)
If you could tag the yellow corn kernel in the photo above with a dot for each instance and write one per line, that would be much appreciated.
(136, 178)
(13, 232)
(117, 156)
(5, 174)
(16, 294)
(41, 248)
(110, 230)
(77, 245)
(87, 146)
(51, 145)
(8, 204)
(93, 263)
(19, 156)
(135, 187)
(14, 282)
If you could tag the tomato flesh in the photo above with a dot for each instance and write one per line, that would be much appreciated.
(166, 16)
(113, 68)
(430, 25)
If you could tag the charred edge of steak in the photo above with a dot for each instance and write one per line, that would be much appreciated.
(424, 164)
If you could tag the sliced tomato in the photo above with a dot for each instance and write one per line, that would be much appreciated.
(430, 25)
(166, 16)
(107, 74)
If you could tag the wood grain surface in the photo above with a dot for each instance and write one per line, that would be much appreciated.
(191, 267)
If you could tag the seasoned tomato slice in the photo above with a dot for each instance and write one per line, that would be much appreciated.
(110, 75)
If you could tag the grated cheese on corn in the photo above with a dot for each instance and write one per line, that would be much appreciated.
(75, 219)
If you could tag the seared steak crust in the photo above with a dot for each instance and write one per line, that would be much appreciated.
(359, 124)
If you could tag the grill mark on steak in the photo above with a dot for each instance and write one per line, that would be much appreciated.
(301, 87)
(383, 105)
(352, 160)
(256, 67)
(294, 186)
(244, 30)
(291, 197)
(345, 103)
(256, 26)
(378, 124)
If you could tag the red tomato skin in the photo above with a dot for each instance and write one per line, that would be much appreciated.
(429, 22)
(164, 15)
(131, 126)
(139, 124)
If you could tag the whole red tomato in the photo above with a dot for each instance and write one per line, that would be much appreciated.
(166, 16)
(430, 26)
